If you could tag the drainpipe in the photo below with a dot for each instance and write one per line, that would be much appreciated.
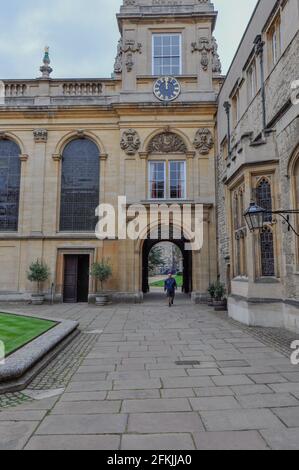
(227, 107)
(259, 48)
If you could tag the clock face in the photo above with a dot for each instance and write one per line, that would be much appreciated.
(167, 88)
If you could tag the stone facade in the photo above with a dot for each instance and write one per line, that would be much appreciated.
(122, 117)
(249, 154)
(132, 127)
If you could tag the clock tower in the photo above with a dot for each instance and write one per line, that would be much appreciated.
(167, 51)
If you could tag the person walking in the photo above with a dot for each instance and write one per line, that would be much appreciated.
(170, 287)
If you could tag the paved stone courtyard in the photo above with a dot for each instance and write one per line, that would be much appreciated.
(121, 385)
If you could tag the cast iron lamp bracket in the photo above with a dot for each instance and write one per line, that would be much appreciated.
(255, 217)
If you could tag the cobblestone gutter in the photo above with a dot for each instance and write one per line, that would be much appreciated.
(58, 373)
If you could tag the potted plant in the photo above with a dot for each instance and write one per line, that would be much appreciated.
(101, 271)
(211, 291)
(39, 273)
(220, 302)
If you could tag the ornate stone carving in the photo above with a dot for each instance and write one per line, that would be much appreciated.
(129, 48)
(40, 135)
(130, 142)
(216, 62)
(204, 47)
(118, 60)
(203, 141)
(81, 134)
(167, 142)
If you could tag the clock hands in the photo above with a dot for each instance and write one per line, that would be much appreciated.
(167, 89)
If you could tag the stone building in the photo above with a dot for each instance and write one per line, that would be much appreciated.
(258, 160)
(67, 145)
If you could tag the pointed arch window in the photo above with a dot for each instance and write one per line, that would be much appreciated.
(80, 181)
(240, 233)
(264, 197)
(267, 253)
(10, 179)
(296, 200)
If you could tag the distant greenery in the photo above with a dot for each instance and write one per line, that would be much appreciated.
(155, 259)
(179, 281)
(16, 331)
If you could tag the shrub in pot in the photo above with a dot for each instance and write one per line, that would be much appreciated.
(101, 271)
(39, 273)
(219, 297)
(211, 291)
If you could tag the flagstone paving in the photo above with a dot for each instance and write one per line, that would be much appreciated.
(150, 377)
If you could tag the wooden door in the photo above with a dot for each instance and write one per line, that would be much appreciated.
(70, 294)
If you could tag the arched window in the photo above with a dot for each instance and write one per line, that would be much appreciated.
(264, 197)
(236, 209)
(79, 186)
(296, 198)
(240, 265)
(10, 178)
(296, 176)
(267, 253)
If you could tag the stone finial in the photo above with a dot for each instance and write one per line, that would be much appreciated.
(46, 69)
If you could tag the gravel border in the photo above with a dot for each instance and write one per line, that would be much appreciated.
(19, 363)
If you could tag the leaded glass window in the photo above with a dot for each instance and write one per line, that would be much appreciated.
(264, 197)
(79, 186)
(296, 202)
(267, 253)
(10, 178)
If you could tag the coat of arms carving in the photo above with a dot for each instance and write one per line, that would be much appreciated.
(204, 141)
(130, 142)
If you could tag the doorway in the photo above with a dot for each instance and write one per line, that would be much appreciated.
(76, 278)
(183, 267)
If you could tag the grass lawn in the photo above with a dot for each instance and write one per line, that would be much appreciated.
(16, 331)
(179, 281)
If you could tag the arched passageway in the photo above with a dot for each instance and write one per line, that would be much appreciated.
(186, 265)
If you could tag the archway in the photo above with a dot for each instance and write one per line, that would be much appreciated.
(186, 256)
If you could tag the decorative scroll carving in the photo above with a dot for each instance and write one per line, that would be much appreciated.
(203, 141)
(129, 47)
(216, 62)
(204, 47)
(118, 66)
(167, 142)
(130, 142)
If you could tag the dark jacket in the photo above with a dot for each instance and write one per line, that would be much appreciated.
(170, 285)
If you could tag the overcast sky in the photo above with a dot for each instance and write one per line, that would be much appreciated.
(83, 35)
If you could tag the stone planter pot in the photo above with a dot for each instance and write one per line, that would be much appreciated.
(102, 300)
(210, 302)
(37, 299)
(220, 305)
